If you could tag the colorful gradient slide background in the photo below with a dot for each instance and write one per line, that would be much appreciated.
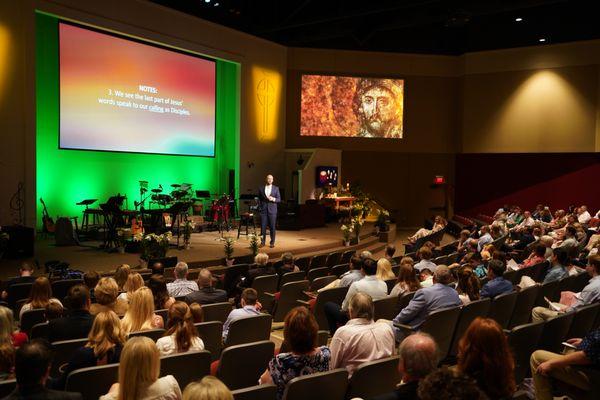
(92, 63)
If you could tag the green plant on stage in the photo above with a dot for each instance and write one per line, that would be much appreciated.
(188, 228)
(254, 243)
(153, 245)
(383, 219)
(357, 223)
(346, 232)
(228, 247)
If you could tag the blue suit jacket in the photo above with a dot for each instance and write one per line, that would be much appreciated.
(495, 287)
(426, 301)
(266, 206)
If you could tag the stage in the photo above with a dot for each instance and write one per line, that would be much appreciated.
(206, 249)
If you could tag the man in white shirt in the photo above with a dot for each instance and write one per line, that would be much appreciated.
(361, 339)
(181, 286)
(355, 273)
(370, 284)
(248, 309)
(485, 237)
(583, 216)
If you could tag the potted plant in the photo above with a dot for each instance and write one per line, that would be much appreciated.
(346, 233)
(188, 228)
(228, 249)
(121, 239)
(153, 245)
(382, 222)
(254, 243)
(357, 223)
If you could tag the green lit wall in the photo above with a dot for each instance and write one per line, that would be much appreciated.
(65, 177)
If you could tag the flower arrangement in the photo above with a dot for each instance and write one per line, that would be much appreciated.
(188, 228)
(153, 245)
(357, 223)
(254, 243)
(346, 232)
(122, 235)
(228, 249)
(383, 218)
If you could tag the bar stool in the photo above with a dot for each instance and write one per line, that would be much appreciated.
(246, 219)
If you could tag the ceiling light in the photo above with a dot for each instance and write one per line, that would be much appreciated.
(216, 4)
(542, 40)
(207, 1)
(518, 19)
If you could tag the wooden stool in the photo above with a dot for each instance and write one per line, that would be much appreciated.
(245, 220)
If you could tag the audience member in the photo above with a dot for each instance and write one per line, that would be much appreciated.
(78, 322)
(427, 300)
(197, 313)
(376, 288)
(496, 284)
(384, 270)
(390, 250)
(439, 223)
(8, 333)
(181, 286)
(25, 276)
(134, 282)
(54, 311)
(121, 274)
(464, 241)
(300, 332)
(365, 254)
(157, 268)
(288, 265)
(206, 293)
(468, 285)
(570, 242)
(407, 279)
(158, 286)
(107, 293)
(477, 265)
(7, 360)
(181, 335)
(208, 388)
(261, 267)
(484, 355)
(583, 216)
(484, 237)
(249, 307)
(547, 241)
(140, 315)
(361, 339)
(425, 255)
(537, 256)
(558, 269)
(90, 280)
(354, 274)
(548, 367)
(590, 294)
(139, 372)
(32, 369)
(448, 384)
(105, 342)
(426, 278)
(418, 358)
(40, 295)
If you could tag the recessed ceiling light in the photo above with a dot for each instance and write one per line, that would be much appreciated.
(207, 1)
(518, 19)
(542, 40)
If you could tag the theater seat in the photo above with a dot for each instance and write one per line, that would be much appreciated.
(216, 311)
(92, 382)
(258, 392)
(249, 329)
(240, 366)
(186, 367)
(330, 385)
(374, 378)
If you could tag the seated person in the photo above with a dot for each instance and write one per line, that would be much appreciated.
(207, 388)
(162, 299)
(439, 223)
(558, 269)
(32, 369)
(181, 286)
(7, 361)
(547, 367)
(361, 339)
(496, 284)
(425, 255)
(426, 278)
(418, 358)
(537, 256)
(384, 270)
(197, 313)
(476, 263)
(40, 296)
(78, 322)
(107, 293)
(407, 278)
(206, 294)
(590, 294)
(288, 264)
(484, 237)
(25, 276)
(463, 241)
(140, 315)
(8, 332)
(261, 267)
(90, 280)
(181, 335)
(390, 250)
(121, 274)
(249, 307)
(468, 285)
(133, 283)
(354, 274)
(449, 384)
(426, 300)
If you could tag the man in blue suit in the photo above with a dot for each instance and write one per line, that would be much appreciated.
(430, 299)
(268, 197)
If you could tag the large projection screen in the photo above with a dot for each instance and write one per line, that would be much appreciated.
(351, 106)
(123, 95)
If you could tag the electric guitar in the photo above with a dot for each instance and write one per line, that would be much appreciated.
(48, 222)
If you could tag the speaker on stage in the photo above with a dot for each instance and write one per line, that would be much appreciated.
(20, 242)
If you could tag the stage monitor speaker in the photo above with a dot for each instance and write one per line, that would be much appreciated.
(63, 234)
(20, 241)
(231, 183)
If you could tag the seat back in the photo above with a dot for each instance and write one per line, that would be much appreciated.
(63, 351)
(30, 318)
(340, 269)
(39, 331)
(315, 273)
(252, 359)
(249, 329)
(385, 308)
(468, 313)
(265, 283)
(164, 314)
(6, 387)
(555, 332)
(186, 367)
(335, 295)
(18, 291)
(502, 308)
(291, 277)
(523, 341)
(374, 378)
(61, 288)
(211, 333)
(321, 282)
(232, 276)
(581, 281)
(584, 320)
(102, 378)
(153, 334)
(303, 262)
(537, 271)
(346, 256)
(549, 290)
(525, 301)
(289, 293)
(258, 392)
(322, 338)
(390, 284)
(331, 385)
(441, 324)
(217, 311)
(333, 259)
(318, 261)
(403, 301)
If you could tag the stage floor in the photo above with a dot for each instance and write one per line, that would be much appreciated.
(206, 249)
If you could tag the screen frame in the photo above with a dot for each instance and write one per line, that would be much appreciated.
(301, 73)
(147, 43)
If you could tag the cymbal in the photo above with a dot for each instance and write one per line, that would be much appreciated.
(176, 185)
(156, 190)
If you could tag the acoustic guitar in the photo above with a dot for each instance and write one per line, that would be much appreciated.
(48, 222)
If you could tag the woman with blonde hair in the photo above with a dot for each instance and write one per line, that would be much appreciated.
(134, 282)
(121, 274)
(384, 270)
(181, 335)
(197, 312)
(439, 223)
(8, 334)
(105, 342)
(40, 295)
(209, 388)
(139, 371)
(140, 314)
(107, 292)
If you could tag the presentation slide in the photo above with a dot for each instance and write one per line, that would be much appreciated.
(351, 106)
(122, 95)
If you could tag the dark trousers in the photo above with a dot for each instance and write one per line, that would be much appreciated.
(267, 219)
(335, 316)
